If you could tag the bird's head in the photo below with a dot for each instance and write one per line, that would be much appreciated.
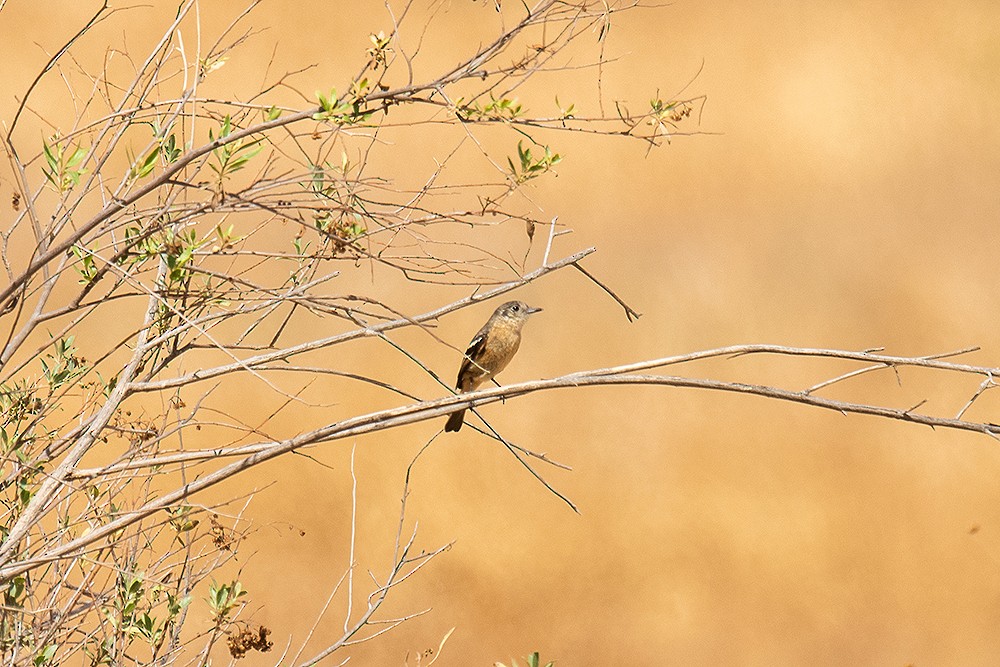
(515, 311)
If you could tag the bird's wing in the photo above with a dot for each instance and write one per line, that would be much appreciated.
(474, 351)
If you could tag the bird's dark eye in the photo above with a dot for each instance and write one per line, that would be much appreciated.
(515, 307)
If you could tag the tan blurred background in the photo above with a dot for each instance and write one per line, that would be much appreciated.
(848, 199)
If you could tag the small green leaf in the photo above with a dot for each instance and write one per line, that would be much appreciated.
(77, 157)
(50, 157)
(146, 167)
(45, 655)
(169, 149)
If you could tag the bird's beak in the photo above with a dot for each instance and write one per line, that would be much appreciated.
(534, 310)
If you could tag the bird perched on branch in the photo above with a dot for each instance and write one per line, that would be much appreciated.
(490, 351)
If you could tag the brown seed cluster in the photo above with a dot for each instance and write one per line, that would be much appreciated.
(248, 640)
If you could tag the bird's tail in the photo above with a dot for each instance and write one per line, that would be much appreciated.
(455, 421)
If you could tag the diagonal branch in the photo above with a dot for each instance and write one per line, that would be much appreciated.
(372, 330)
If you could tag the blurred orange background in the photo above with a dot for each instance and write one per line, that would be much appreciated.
(846, 198)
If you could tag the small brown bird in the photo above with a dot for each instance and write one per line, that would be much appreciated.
(490, 351)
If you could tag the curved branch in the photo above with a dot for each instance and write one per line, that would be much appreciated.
(422, 411)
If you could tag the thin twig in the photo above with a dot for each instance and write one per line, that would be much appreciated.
(631, 314)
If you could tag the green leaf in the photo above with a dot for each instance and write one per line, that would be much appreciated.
(45, 655)
(77, 157)
(50, 157)
(169, 149)
(146, 167)
(238, 163)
